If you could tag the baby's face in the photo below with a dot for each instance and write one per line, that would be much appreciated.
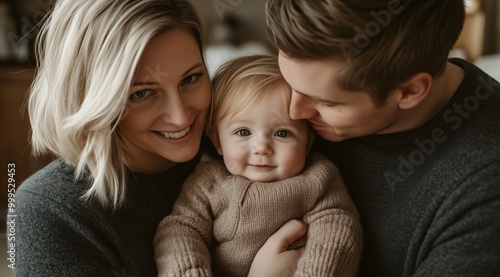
(262, 143)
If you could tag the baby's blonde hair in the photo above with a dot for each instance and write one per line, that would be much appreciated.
(87, 53)
(240, 83)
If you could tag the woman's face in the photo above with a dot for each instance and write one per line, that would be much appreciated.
(168, 103)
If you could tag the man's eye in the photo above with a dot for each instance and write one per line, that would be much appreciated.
(282, 133)
(243, 132)
(140, 94)
(328, 105)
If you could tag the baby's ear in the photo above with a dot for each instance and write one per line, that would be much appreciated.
(214, 136)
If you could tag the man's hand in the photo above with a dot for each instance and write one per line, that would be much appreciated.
(274, 259)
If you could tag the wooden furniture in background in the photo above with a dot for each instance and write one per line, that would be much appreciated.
(14, 123)
(471, 40)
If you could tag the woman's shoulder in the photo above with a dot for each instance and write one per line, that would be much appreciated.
(55, 181)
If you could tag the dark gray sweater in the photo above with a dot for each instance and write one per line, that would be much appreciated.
(429, 198)
(57, 234)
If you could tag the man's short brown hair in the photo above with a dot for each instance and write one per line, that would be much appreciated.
(382, 43)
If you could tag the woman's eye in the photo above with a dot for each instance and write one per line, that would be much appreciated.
(282, 133)
(191, 78)
(243, 132)
(141, 94)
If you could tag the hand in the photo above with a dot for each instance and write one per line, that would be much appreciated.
(274, 259)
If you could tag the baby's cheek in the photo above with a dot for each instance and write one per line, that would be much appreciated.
(233, 166)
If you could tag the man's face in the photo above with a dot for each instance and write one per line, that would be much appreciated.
(334, 113)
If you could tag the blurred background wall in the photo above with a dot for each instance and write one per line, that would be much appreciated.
(235, 28)
(491, 27)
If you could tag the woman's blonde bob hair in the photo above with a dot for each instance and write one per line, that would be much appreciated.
(87, 52)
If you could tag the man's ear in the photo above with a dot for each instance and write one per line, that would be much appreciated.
(214, 136)
(411, 93)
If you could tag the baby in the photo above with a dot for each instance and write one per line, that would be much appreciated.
(227, 209)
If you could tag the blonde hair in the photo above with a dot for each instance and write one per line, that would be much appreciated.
(87, 53)
(240, 83)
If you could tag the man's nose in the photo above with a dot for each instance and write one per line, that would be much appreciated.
(301, 107)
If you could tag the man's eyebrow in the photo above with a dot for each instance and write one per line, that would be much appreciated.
(150, 83)
(316, 98)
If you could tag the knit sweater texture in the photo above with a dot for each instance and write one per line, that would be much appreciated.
(59, 234)
(230, 217)
(429, 198)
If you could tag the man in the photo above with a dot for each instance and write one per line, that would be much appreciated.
(416, 136)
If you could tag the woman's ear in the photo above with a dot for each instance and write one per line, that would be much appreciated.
(414, 91)
(214, 136)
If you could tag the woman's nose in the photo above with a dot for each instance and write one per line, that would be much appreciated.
(301, 107)
(175, 111)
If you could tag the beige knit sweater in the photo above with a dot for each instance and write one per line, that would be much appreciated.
(220, 221)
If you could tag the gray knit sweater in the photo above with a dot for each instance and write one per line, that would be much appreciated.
(231, 217)
(429, 198)
(57, 234)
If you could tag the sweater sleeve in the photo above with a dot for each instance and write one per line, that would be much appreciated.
(463, 234)
(335, 237)
(52, 239)
(182, 238)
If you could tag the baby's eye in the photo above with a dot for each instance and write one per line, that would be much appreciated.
(243, 132)
(282, 133)
(141, 94)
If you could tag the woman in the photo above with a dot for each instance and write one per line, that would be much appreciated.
(120, 97)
